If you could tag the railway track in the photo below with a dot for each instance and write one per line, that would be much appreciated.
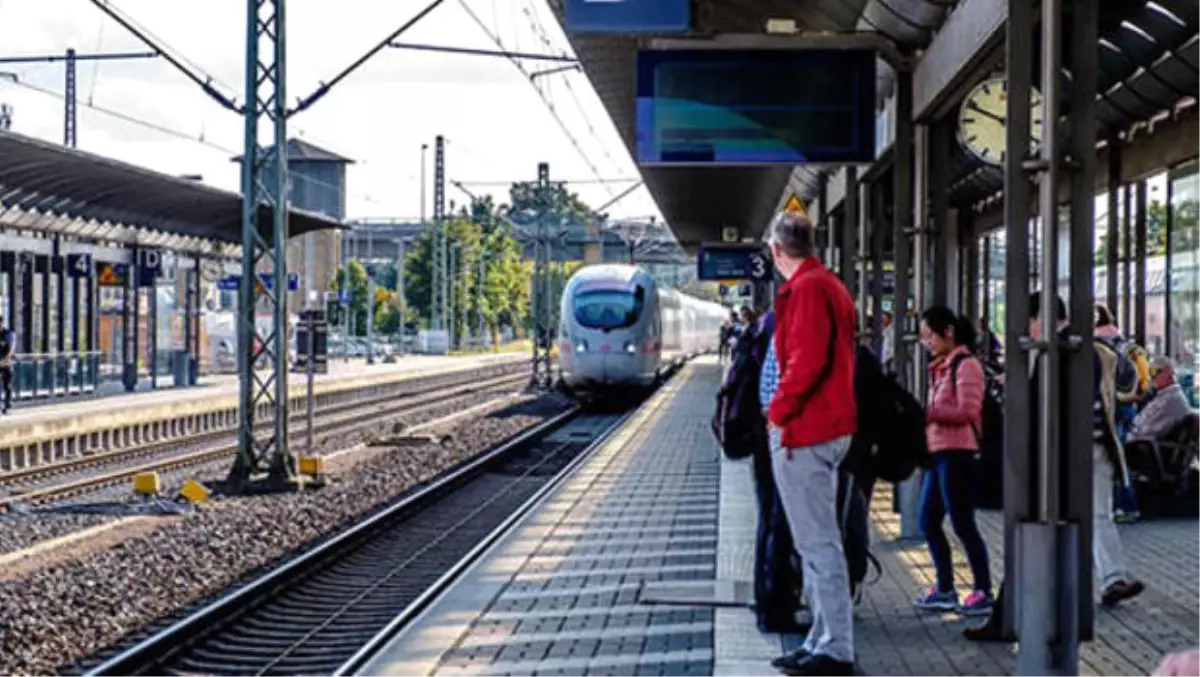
(314, 613)
(65, 479)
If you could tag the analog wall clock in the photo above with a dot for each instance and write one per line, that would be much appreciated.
(982, 126)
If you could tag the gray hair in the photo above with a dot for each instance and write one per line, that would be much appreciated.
(793, 233)
(1163, 363)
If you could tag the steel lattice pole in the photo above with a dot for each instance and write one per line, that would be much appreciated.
(438, 257)
(265, 100)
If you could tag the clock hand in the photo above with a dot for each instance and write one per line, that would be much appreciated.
(975, 107)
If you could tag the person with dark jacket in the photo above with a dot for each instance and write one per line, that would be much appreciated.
(776, 585)
(811, 419)
(1107, 458)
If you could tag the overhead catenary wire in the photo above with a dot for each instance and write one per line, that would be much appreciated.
(535, 24)
(179, 134)
(549, 104)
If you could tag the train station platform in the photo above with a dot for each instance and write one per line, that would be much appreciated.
(656, 515)
(30, 435)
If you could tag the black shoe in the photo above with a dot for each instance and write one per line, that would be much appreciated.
(790, 661)
(1120, 591)
(818, 664)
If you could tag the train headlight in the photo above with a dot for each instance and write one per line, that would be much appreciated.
(630, 347)
(581, 347)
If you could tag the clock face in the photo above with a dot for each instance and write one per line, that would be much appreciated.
(981, 120)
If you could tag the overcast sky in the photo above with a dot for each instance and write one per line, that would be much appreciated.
(497, 127)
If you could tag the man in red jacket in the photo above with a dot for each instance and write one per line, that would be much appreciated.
(811, 419)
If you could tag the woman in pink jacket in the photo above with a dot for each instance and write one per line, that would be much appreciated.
(953, 409)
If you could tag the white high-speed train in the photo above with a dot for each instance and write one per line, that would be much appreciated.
(619, 329)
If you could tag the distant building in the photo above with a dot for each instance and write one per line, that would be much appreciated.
(316, 183)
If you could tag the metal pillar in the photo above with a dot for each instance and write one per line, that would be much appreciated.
(129, 333)
(942, 224)
(152, 331)
(266, 246)
(849, 229)
(971, 287)
(1080, 148)
(452, 280)
(370, 296)
(1168, 316)
(401, 247)
(58, 264)
(902, 216)
(902, 201)
(1114, 234)
(541, 281)
(480, 287)
(69, 101)
(1017, 416)
(439, 288)
(1053, 581)
(1126, 254)
(862, 255)
(878, 234)
(1139, 262)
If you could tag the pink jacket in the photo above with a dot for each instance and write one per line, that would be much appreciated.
(953, 410)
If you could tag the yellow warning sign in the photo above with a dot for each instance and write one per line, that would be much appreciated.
(794, 206)
(110, 275)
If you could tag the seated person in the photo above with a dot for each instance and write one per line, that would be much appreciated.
(1166, 408)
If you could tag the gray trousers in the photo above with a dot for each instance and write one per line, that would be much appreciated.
(807, 485)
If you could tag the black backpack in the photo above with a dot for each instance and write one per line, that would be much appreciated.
(989, 485)
(890, 443)
(738, 422)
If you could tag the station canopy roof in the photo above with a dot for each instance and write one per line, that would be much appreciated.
(1148, 60)
(95, 197)
(698, 202)
(1147, 64)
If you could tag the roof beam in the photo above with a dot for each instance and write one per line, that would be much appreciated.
(957, 53)
(886, 49)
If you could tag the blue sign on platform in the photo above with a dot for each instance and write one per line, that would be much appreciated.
(230, 282)
(343, 297)
(733, 262)
(628, 16)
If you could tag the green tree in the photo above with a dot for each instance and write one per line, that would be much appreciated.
(352, 278)
(1156, 234)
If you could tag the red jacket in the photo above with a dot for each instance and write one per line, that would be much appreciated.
(814, 317)
(954, 407)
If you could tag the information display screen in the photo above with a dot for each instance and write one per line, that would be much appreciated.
(733, 262)
(765, 106)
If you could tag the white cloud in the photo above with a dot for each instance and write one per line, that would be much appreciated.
(498, 129)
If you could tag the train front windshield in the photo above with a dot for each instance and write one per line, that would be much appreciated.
(607, 309)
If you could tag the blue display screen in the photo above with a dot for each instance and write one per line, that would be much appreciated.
(755, 106)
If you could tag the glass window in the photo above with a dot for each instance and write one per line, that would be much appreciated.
(1185, 267)
(609, 309)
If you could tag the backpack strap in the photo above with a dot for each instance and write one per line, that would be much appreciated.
(957, 360)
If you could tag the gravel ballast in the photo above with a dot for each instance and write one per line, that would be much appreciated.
(19, 531)
(61, 614)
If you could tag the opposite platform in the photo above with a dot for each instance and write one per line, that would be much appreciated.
(49, 432)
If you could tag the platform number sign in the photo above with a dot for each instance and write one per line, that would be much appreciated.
(759, 268)
(149, 267)
(79, 265)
